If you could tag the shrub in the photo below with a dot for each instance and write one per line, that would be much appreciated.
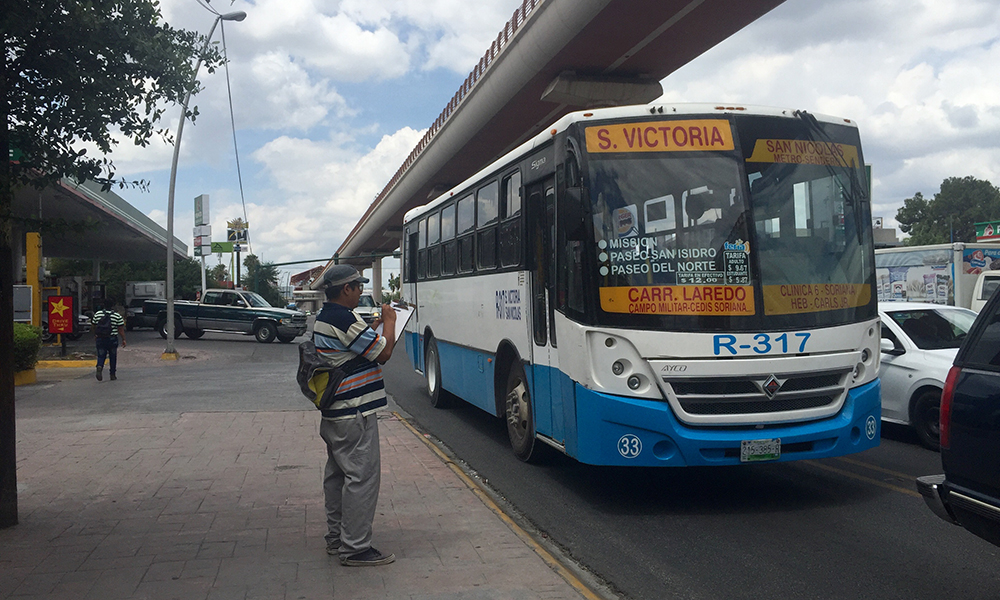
(27, 341)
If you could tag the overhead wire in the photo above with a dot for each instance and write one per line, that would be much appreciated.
(232, 121)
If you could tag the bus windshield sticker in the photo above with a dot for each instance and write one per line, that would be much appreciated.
(661, 136)
(791, 299)
(642, 257)
(679, 300)
(804, 152)
(627, 221)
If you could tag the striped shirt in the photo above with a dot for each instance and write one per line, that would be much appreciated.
(340, 335)
(116, 320)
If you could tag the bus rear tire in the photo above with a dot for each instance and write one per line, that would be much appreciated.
(518, 415)
(432, 371)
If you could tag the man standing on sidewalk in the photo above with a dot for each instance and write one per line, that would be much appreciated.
(349, 427)
(104, 323)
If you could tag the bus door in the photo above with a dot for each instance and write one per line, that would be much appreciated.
(546, 391)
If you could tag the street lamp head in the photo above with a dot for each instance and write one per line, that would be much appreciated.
(234, 16)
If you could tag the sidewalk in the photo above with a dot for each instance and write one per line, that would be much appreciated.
(229, 505)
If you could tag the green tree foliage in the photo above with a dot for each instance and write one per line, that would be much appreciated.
(74, 71)
(263, 279)
(218, 274)
(951, 214)
(395, 290)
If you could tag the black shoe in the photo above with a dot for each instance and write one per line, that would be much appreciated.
(99, 376)
(114, 377)
(369, 558)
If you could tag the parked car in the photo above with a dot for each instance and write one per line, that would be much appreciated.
(919, 343)
(229, 311)
(367, 308)
(968, 492)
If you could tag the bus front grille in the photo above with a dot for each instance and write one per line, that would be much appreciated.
(758, 395)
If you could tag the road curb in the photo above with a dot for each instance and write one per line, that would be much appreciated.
(587, 585)
(63, 364)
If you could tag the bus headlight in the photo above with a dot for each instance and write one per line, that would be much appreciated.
(634, 382)
(618, 368)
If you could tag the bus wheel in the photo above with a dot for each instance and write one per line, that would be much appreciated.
(432, 370)
(517, 410)
(926, 418)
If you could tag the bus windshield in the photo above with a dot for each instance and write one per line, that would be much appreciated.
(773, 234)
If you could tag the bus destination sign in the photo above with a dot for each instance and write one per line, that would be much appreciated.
(804, 152)
(661, 136)
(679, 299)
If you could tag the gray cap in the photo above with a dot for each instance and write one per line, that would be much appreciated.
(341, 274)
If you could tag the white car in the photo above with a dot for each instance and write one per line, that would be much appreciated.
(367, 307)
(919, 343)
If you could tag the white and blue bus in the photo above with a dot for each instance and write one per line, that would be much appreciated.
(657, 285)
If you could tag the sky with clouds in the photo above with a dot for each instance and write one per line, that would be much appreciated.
(330, 96)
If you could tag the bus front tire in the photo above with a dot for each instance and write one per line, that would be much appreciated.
(518, 414)
(432, 371)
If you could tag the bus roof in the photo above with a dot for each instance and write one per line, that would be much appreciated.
(618, 112)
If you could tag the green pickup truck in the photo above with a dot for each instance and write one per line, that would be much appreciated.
(229, 311)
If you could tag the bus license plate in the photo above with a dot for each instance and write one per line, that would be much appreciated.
(760, 450)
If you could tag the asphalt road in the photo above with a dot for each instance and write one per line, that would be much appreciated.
(849, 528)
(839, 528)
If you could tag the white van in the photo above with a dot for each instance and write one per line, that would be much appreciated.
(985, 286)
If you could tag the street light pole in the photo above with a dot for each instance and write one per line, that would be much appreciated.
(169, 353)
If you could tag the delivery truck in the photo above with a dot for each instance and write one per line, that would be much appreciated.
(957, 274)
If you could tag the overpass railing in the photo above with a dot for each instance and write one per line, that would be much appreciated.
(520, 16)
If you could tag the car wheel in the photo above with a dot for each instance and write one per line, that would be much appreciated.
(161, 327)
(432, 372)
(47, 338)
(194, 333)
(926, 418)
(73, 336)
(265, 333)
(518, 414)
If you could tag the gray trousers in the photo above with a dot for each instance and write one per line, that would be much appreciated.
(351, 481)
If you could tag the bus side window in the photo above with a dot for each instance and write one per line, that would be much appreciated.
(465, 229)
(448, 243)
(510, 229)
(486, 226)
(410, 258)
(422, 249)
(434, 248)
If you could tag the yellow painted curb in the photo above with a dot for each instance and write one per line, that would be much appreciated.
(25, 377)
(547, 557)
(63, 364)
(170, 356)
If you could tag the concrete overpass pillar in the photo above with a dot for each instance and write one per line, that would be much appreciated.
(377, 280)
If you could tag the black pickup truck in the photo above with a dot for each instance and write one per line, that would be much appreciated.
(231, 311)
(968, 493)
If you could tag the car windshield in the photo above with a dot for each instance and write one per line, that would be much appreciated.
(256, 301)
(934, 329)
(366, 301)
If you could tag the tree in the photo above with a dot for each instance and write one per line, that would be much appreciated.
(952, 214)
(75, 71)
(395, 293)
(263, 279)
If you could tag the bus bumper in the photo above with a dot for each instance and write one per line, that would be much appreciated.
(632, 432)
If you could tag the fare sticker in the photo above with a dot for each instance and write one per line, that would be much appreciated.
(709, 300)
(661, 136)
(804, 152)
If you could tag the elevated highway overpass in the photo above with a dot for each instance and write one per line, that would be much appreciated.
(551, 58)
